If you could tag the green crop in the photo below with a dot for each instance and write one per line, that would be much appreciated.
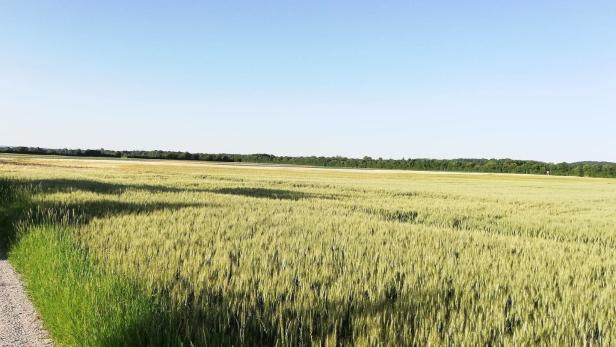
(257, 255)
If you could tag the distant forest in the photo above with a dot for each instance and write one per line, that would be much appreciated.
(588, 169)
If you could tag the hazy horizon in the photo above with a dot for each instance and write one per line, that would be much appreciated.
(524, 80)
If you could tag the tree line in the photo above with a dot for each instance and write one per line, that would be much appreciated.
(588, 169)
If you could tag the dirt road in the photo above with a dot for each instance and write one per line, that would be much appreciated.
(19, 322)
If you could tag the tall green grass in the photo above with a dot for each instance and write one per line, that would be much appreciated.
(80, 305)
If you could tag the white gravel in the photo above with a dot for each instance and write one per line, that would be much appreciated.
(20, 325)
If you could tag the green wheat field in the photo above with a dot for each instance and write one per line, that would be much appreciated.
(127, 252)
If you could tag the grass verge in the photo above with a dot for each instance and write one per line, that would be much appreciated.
(80, 304)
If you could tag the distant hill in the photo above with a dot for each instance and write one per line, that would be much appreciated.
(586, 168)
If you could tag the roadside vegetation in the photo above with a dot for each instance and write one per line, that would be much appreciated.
(120, 252)
(81, 304)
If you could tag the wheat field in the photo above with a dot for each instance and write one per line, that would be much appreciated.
(261, 255)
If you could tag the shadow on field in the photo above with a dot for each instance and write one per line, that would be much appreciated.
(71, 185)
(13, 202)
(16, 205)
(228, 318)
(275, 194)
(83, 212)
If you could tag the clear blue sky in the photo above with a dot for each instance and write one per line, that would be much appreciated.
(442, 79)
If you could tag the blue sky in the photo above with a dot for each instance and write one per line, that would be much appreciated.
(441, 79)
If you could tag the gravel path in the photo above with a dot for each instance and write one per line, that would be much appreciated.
(19, 322)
